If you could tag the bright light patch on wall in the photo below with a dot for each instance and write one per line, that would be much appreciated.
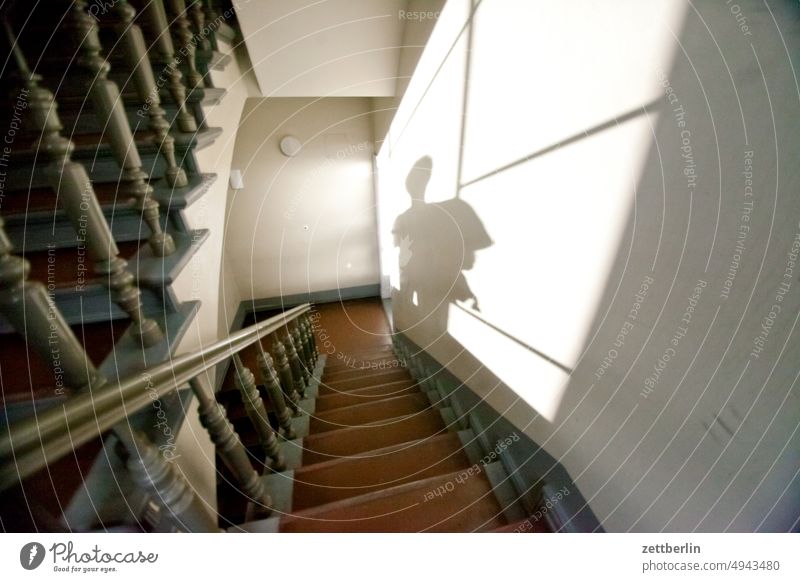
(534, 379)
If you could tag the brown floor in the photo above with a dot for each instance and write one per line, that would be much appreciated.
(345, 328)
(351, 327)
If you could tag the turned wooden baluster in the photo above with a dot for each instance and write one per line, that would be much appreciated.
(257, 413)
(294, 363)
(31, 312)
(186, 42)
(167, 486)
(229, 445)
(302, 355)
(275, 393)
(312, 337)
(284, 371)
(147, 91)
(74, 189)
(157, 16)
(109, 108)
(199, 23)
(306, 343)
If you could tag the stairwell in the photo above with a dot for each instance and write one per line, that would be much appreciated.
(368, 445)
(376, 450)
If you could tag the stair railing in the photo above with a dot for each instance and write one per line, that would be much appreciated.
(30, 444)
(171, 74)
(108, 105)
(138, 61)
(76, 194)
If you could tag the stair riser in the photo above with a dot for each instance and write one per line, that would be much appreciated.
(462, 508)
(38, 230)
(100, 166)
(362, 382)
(364, 369)
(334, 401)
(359, 476)
(327, 446)
(378, 411)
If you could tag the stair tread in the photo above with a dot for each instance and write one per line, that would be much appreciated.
(409, 507)
(379, 411)
(377, 469)
(366, 370)
(364, 395)
(362, 381)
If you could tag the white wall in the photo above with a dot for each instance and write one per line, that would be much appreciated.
(590, 181)
(306, 223)
(306, 48)
(416, 31)
(202, 279)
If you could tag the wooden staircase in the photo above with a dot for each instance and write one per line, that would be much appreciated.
(374, 453)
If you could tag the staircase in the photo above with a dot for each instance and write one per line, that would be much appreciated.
(374, 450)
(105, 113)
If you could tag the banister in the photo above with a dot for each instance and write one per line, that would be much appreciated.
(30, 444)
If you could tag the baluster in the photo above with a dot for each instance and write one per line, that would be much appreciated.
(109, 108)
(71, 182)
(213, 19)
(285, 374)
(199, 23)
(294, 363)
(306, 343)
(275, 393)
(229, 446)
(147, 91)
(168, 487)
(185, 40)
(32, 313)
(312, 337)
(254, 406)
(305, 364)
(157, 16)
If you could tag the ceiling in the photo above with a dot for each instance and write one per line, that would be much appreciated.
(314, 48)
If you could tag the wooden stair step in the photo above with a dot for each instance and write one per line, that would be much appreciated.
(363, 368)
(70, 265)
(24, 371)
(364, 395)
(527, 525)
(361, 414)
(349, 361)
(463, 506)
(358, 439)
(36, 504)
(362, 381)
(378, 469)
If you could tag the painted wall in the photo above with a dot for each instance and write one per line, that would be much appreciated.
(307, 48)
(602, 243)
(305, 223)
(416, 31)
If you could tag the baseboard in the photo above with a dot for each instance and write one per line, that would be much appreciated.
(535, 475)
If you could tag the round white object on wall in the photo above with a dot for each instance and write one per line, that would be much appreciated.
(290, 146)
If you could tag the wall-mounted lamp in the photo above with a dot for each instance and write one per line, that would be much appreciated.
(290, 146)
(236, 180)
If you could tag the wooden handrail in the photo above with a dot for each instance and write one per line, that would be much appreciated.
(30, 444)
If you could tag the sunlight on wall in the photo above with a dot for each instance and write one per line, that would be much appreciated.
(538, 382)
(555, 230)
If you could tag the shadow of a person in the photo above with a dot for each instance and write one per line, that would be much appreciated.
(437, 243)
